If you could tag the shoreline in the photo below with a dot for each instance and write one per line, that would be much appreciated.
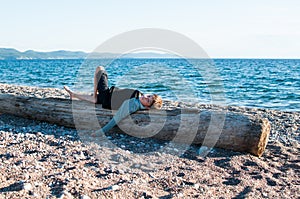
(44, 160)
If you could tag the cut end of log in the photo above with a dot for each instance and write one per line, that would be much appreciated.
(264, 137)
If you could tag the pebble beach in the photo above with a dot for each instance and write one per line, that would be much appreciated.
(43, 160)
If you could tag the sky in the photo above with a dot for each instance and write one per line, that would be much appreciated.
(223, 28)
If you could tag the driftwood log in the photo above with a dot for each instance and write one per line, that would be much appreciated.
(219, 129)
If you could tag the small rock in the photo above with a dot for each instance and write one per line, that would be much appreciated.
(203, 151)
(137, 166)
(151, 175)
(158, 154)
(147, 195)
(196, 186)
(265, 194)
(27, 186)
(202, 190)
(66, 195)
(114, 187)
(120, 171)
(84, 197)
(26, 176)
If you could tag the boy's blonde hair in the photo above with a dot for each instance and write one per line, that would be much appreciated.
(157, 102)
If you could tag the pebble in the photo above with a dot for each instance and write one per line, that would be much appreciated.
(196, 186)
(147, 195)
(264, 194)
(84, 197)
(203, 150)
(27, 186)
(120, 171)
(66, 195)
(136, 165)
(114, 187)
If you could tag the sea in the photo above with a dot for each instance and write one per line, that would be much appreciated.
(260, 83)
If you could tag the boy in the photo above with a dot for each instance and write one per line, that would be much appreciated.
(126, 101)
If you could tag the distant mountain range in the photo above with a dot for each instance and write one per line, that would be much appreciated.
(13, 54)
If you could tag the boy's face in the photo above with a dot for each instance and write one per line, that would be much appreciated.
(146, 100)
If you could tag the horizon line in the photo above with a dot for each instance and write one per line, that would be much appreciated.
(86, 52)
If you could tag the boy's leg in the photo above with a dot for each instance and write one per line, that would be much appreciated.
(100, 84)
(88, 98)
(100, 81)
(97, 78)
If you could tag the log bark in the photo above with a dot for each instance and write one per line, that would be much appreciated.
(219, 129)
